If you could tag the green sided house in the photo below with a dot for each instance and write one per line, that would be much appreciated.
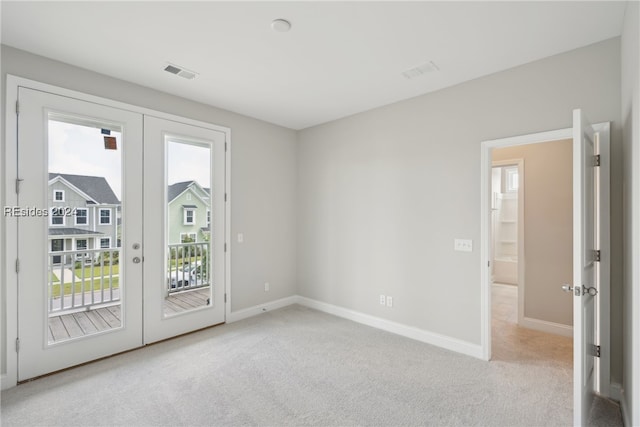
(84, 215)
(189, 214)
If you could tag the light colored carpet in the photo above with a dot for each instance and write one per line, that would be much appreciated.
(296, 366)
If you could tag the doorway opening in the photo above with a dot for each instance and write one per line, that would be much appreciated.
(531, 226)
(529, 317)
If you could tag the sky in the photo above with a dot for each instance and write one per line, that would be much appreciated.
(79, 150)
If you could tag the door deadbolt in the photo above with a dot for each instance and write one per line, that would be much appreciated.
(136, 246)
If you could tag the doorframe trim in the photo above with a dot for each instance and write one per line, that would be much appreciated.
(8, 246)
(603, 375)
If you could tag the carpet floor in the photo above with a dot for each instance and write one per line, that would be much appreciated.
(298, 366)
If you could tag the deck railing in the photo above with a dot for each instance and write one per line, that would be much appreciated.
(188, 266)
(90, 278)
(79, 280)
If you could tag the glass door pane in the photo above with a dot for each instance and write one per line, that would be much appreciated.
(84, 193)
(188, 249)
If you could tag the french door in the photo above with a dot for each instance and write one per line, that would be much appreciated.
(121, 230)
(184, 196)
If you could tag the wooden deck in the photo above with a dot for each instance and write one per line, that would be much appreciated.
(73, 325)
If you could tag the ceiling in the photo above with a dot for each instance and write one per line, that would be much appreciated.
(338, 59)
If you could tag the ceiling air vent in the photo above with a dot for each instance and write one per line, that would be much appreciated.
(427, 67)
(180, 71)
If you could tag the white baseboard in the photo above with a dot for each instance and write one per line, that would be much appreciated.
(544, 326)
(626, 421)
(6, 382)
(261, 308)
(438, 340)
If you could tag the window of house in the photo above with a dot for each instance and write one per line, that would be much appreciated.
(187, 237)
(57, 216)
(105, 243)
(58, 195)
(189, 216)
(105, 216)
(511, 175)
(82, 216)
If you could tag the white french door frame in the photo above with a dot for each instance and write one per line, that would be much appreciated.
(10, 237)
(603, 380)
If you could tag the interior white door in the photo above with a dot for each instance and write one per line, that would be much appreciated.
(80, 279)
(184, 231)
(585, 272)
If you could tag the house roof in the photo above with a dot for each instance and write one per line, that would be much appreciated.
(95, 187)
(176, 189)
(69, 231)
(179, 187)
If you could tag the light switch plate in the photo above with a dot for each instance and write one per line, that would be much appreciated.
(463, 245)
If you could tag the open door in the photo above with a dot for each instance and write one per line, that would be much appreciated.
(585, 263)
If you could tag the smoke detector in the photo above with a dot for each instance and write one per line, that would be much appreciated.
(419, 70)
(180, 71)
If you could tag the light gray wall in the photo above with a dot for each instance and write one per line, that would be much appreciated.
(263, 176)
(631, 183)
(383, 194)
(548, 232)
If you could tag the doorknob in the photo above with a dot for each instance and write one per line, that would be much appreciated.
(567, 288)
(136, 260)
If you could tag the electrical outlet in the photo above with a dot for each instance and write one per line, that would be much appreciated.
(383, 300)
(389, 301)
(463, 245)
(266, 286)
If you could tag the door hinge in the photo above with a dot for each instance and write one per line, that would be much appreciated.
(596, 160)
(225, 298)
(17, 266)
(17, 107)
(225, 197)
(596, 255)
(595, 350)
(488, 263)
(225, 146)
(17, 345)
(18, 181)
(225, 247)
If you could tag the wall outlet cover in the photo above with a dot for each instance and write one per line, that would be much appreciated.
(463, 245)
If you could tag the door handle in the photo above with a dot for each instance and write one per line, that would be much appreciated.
(136, 260)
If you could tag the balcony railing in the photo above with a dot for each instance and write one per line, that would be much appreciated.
(188, 266)
(82, 279)
(90, 278)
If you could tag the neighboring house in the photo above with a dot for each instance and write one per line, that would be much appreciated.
(84, 214)
(189, 214)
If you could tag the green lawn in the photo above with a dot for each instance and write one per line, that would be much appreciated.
(55, 291)
(98, 271)
(53, 277)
